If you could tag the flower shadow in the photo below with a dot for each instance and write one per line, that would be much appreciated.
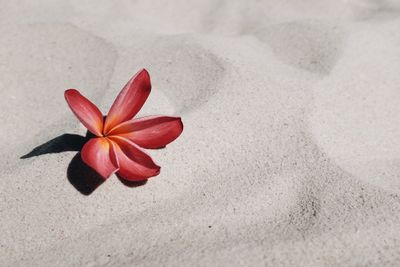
(131, 183)
(81, 176)
(62, 143)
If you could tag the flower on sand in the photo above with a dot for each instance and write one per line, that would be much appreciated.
(119, 139)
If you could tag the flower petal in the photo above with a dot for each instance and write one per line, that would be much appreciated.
(129, 101)
(134, 164)
(150, 132)
(99, 154)
(85, 111)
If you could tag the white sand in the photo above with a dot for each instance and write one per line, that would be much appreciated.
(291, 148)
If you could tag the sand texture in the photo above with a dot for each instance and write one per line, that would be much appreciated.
(290, 154)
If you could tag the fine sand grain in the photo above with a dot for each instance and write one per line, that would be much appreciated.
(290, 152)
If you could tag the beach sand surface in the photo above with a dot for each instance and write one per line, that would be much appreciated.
(290, 154)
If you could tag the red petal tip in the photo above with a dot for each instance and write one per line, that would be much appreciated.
(134, 163)
(129, 101)
(87, 112)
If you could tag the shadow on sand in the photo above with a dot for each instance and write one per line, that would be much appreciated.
(81, 176)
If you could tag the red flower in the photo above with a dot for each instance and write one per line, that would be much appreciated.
(117, 147)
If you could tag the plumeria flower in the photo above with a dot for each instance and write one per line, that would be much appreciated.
(119, 138)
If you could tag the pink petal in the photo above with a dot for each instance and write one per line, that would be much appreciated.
(134, 164)
(129, 101)
(150, 132)
(85, 111)
(99, 154)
